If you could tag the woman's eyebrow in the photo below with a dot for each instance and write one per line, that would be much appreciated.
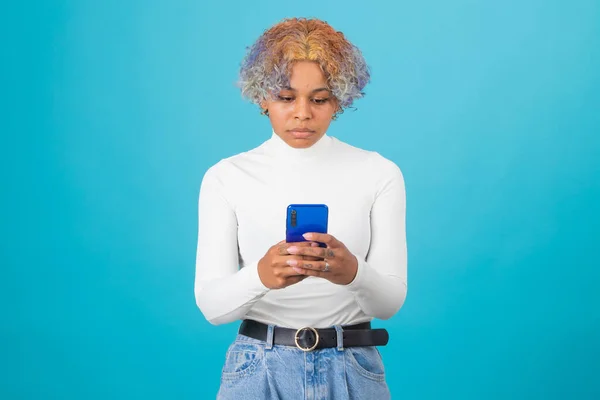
(312, 91)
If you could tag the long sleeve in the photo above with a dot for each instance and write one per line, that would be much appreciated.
(223, 291)
(380, 284)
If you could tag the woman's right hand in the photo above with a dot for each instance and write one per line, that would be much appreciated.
(273, 270)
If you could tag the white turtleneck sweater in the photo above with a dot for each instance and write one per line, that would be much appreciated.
(242, 211)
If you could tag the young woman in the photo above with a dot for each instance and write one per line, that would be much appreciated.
(305, 309)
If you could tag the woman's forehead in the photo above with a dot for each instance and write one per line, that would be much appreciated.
(307, 88)
(307, 76)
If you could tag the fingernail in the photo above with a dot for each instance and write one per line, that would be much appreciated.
(307, 236)
(298, 270)
(292, 250)
(292, 262)
(314, 244)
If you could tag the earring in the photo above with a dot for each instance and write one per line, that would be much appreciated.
(264, 112)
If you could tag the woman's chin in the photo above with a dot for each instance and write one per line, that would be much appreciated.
(301, 143)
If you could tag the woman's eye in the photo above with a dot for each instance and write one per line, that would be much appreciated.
(285, 98)
(320, 101)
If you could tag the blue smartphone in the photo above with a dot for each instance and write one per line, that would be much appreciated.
(303, 218)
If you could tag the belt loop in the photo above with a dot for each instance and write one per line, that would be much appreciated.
(270, 334)
(340, 337)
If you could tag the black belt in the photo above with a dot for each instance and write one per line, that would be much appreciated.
(308, 339)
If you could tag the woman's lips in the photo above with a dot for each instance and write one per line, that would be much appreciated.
(301, 133)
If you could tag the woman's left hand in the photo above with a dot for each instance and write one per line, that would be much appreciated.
(338, 264)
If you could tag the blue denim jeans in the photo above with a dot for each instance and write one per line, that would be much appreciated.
(260, 370)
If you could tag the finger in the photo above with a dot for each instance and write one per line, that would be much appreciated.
(304, 243)
(286, 271)
(281, 261)
(326, 238)
(283, 246)
(309, 272)
(309, 258)
(319, 252)
(316, 266)
(301, 243)
(307, 251)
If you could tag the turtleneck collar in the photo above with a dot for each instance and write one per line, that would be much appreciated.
(278, 148)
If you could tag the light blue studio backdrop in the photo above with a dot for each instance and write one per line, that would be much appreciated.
(114, 110)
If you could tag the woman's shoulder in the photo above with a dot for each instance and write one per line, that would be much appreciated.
(239, 161)
(369, 159)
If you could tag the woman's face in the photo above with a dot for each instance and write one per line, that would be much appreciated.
(301, 114)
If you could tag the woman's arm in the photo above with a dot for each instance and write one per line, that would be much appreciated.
(224, 292)
(381, 280)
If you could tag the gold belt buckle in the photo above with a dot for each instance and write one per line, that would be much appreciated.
(307, 348)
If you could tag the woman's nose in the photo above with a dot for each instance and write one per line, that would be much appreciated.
(302, 109)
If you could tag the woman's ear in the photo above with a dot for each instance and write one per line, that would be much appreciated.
(338, 107)
(264, 107)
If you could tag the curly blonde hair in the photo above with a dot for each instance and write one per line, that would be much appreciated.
(266, 68)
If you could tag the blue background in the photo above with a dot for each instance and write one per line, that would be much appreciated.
(112, 111)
